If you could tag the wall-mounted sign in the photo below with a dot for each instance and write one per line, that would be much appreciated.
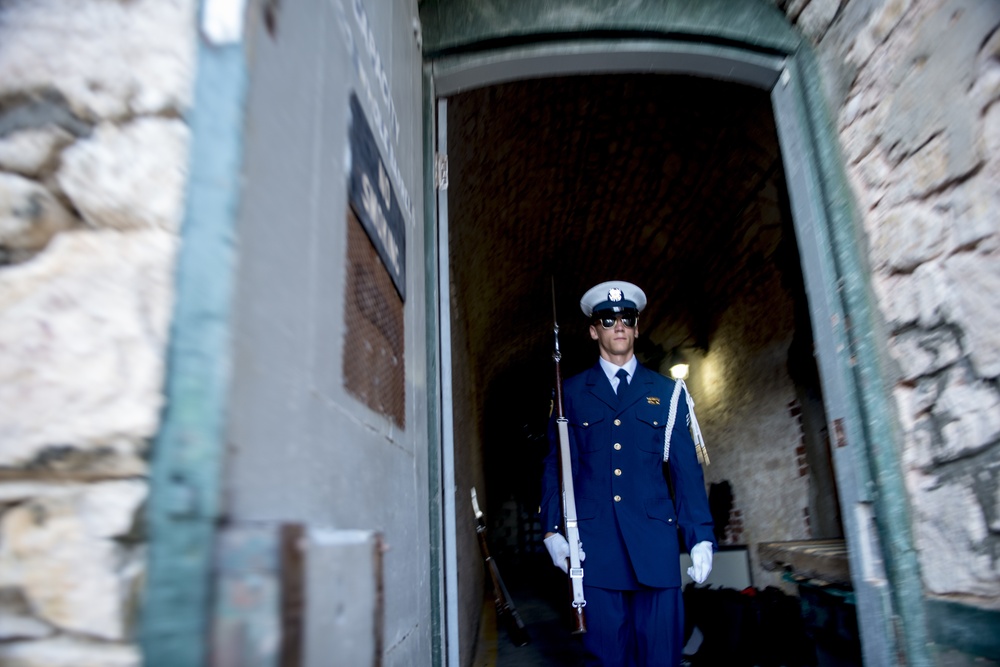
(371, 196)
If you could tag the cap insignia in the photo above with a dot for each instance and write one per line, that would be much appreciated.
(614, 294)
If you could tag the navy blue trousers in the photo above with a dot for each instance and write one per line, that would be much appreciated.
(641, 628)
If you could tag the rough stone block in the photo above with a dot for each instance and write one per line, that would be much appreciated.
(968, 414)
(990, 128)
(18, 491)
(859, 120)
(816, 18)
(950, 530)
(974, 305)
(883, 19)
(83, 332)
(793, 7)
(110, 59)
(70, 565)
(919, 449)
(873, 172)
(914, 406)
(986, 89)
(30, 152)
(130, 176)
(977, 199)
(977, 202)
(29, 214)
(933, 293)
(921, 352)
(929, 170)
(926, 394)
(16, 619)
(940, 60)
(917, 298)
(908, 236)
(896, 298)
(67, 652)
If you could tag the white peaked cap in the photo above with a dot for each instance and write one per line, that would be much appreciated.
(613, 295)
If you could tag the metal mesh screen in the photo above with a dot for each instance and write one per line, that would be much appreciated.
(373, 338)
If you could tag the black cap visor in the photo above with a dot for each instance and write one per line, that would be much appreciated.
(615, 311)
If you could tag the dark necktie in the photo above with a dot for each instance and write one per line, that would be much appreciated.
(622, 376)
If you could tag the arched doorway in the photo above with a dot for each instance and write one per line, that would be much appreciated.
(745, 45)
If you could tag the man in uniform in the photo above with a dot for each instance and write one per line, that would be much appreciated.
(630, 520)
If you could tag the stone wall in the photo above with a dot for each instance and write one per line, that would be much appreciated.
(93, 150)
(746, 400)
(93, 153)
(915, 86)
(742, 392)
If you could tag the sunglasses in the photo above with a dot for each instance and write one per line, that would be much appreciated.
(609, 322)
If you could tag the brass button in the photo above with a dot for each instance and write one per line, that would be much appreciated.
(586, 423)
(618, 445)
(618, 472)
(656, 423)
(618, 499)
(670, 520)
(618, 422)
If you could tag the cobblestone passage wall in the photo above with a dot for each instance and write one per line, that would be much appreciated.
(916, 90)
(93, 153)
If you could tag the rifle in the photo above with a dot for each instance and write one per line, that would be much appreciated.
(506, 612)
(566, 484)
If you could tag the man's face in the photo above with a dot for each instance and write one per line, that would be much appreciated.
(617, 343)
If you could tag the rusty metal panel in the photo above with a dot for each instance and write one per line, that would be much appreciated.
(373, 329)
(259, 596)
(293, 594)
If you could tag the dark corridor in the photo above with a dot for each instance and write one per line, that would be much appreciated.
(674, 183)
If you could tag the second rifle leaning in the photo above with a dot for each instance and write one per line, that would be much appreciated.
(506, 612)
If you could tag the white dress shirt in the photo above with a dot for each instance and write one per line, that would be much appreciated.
(610, 369)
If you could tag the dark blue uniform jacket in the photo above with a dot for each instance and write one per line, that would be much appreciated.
(629, 526)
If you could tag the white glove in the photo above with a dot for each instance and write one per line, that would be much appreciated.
(701, 562)
(558, 549)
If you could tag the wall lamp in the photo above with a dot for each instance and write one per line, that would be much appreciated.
(679, 367)
(679, 371)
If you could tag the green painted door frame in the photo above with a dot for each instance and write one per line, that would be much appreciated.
(185, 470)
(472, 44)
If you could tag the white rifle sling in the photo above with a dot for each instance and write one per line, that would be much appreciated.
(694, 427)
(569, 514)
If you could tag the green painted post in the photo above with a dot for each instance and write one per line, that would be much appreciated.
(872, 396)
(187, 454)
(433, 343)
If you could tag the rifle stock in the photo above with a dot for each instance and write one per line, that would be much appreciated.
(566, 486)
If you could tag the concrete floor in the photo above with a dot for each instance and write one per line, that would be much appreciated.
(538, 592)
